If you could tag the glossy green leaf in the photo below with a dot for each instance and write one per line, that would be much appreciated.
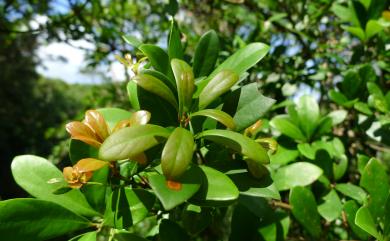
(217, 189)
(296, 174)
(340, 168)
(283, 124)
(284, 155)
(177, 153)
(133, 41)
(375, 181)
(243, 59)
(247, 105)
(350, 209)
(363, 107)
(304, 209)
(352, 191)
(185, 83)
(157, 57)
(175, 50)
(171, 231)
(32, 173)
(190, 183)
(307, 150)
(90, 236)
(250, 186)
(242, 144)
(131, 141)
(206, 54)
(308, 114)
(155, 86)
(217, 115)
(218, 85)
(127, 207)
(33, 219)
(365, 221)
(331, 208)
(167, 81)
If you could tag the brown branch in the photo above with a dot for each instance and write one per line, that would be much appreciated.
(280, 204)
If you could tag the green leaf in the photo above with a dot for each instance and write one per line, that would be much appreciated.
(90, 236)
(352, 191)
(284, 155)
(155, 86)
(386, 223)
(157, 57)
(133, 95)
(177, 153)
(338, 97)
(167, 81)
(32, 173)
(308, 114)
(304, 209)
(331, 208)
(363, 107)
(184, 82)
(33, 219)
(337, 116)
(250, 186)
(196, 219)
(239, 143)
(217, 189)
(350, 209)
(283, 124)
(375, 180)
(247, 105)
(171, 231)
(131, 141)
(126, 236)
(190, 183)
(172, 7)
(217, 86)
(133, 41)
(296, 174)
(217, 115)
(175, 50)
(243, 59)
(114, 115)
(307, 150)
(373, 27)
(365, 221)
(127, 207)
(357, 31)
(206, 54)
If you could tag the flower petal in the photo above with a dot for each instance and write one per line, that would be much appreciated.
(89, 165)
(96, 122)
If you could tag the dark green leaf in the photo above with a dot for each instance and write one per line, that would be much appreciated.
(32, 173)
(171, 231)
(32, 219)
(206, 54)
(126, 236)
(131, 141)
(157, 57)
(175, 50)
(304, 209)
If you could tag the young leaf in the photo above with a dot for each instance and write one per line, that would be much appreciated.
(157, 57)
(206, 54)
(155, 86)
(184, 82)
(239, 143)
(177, 153)
(175, 50)
(218, 85)
(38, 220)
(296, 174)
(131, 141)
(365, 221)
(304, 209)
(133, 41)
(217, 115)
(32, 173)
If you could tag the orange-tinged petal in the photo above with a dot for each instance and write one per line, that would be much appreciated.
(89, 141)
(84, 178)
(77, 128)
(253, 129)
(140, 117)
(96, 121)
(68, 173)
(121, 124)
(89, 165)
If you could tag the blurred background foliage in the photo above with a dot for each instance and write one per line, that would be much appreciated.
(336, 51)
